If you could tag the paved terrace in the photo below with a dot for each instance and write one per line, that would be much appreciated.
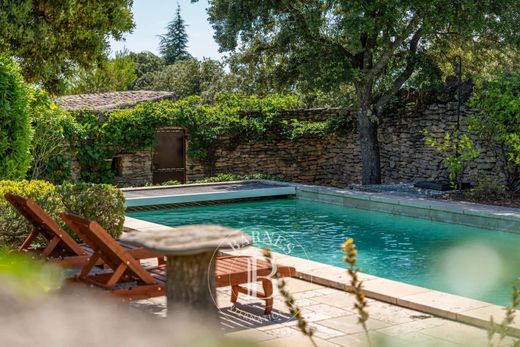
(330, 312)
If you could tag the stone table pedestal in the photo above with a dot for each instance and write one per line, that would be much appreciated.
(190, 251)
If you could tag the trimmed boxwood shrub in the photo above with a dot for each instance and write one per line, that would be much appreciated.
(13, 227)
(15, 125)
(102, 203)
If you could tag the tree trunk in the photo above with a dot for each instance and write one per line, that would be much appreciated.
(368, 143)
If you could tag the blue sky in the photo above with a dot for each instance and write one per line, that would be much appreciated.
(151, 18)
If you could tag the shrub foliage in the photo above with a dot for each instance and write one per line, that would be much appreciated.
(13, 227)
(498, 123)
(50, 160)
(15, 126)
(102, 203)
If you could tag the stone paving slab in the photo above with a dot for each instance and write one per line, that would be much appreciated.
(330, 312)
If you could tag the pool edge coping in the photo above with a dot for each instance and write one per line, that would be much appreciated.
(455, 212)
(441, 304)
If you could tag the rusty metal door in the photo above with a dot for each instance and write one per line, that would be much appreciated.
(169, 155)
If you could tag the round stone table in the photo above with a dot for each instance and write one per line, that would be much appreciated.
(190, 267)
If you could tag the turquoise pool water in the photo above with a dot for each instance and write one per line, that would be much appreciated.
(472, 262)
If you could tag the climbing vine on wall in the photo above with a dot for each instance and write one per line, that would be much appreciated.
(96, 138)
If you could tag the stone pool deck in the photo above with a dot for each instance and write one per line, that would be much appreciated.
(456, 212)
(330, 312)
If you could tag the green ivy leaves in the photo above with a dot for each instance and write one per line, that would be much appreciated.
(498, 123)
(98, 137)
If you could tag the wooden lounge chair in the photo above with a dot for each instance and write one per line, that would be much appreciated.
(61, 248)
(128, 279)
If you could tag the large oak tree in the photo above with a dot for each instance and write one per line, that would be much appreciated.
(376, 45)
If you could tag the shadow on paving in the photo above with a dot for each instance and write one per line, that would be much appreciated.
(250, 316)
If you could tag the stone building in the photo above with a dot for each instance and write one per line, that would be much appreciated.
(130, 169)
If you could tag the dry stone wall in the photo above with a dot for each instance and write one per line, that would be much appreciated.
(335, 159)
(133, 170)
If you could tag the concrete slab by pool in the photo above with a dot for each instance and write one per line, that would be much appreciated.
(166, 195)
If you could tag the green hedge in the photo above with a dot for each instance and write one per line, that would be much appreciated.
(102, 203)
(15, 126)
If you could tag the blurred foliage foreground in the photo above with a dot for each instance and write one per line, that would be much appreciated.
(31, 313)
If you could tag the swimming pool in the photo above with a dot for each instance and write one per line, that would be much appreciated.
(457, 259)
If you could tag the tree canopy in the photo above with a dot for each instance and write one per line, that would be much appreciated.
(174, 43)
(49, 37)
(118, 73)
(186, 78)
(377, 46)
(146, 62)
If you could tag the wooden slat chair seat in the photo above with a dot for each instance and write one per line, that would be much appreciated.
(130, 280)
(61, 248)
(235, 271)
(125, 268)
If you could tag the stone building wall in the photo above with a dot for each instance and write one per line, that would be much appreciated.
(133, 169)
(130, 169)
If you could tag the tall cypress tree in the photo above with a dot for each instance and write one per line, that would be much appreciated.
(174, 43)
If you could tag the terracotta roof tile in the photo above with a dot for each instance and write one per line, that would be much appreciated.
(110, 100)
